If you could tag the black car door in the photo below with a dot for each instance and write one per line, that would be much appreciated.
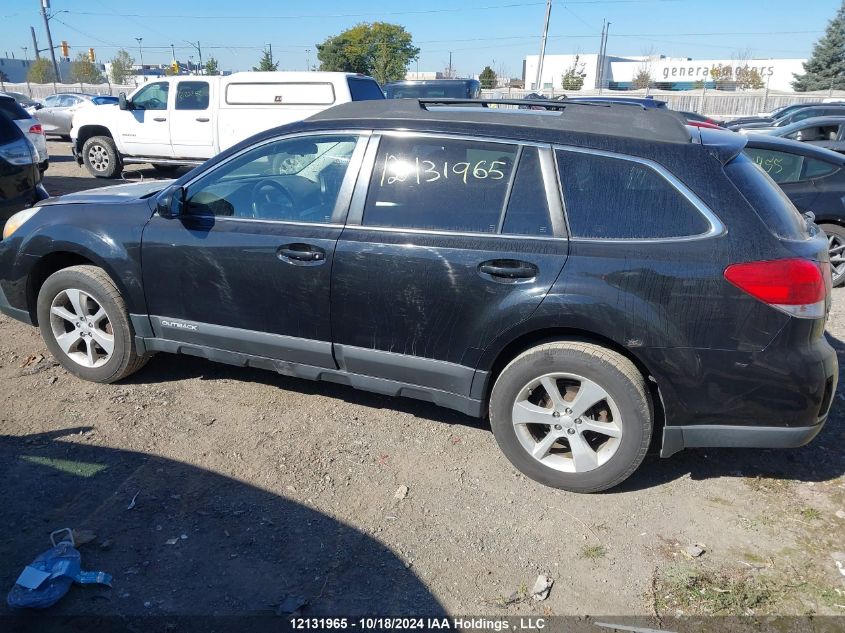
(449, 243)
(246, 267)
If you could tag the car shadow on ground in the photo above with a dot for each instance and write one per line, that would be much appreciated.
(194, 542)
(821, 460)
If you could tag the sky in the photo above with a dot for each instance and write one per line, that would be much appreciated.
(477, 32)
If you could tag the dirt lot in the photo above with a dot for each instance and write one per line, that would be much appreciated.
(276, 488)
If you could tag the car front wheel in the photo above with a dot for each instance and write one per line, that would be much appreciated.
(85, 324)
(572, 415)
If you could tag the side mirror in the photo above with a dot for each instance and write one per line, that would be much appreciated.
(122, 102)
(171, 203)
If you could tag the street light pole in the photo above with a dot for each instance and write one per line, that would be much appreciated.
(44, 4)
(542, 57)
(141, 53)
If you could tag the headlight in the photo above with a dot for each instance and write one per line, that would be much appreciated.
(16, 221)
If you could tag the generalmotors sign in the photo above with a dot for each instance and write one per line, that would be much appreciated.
(777, 73)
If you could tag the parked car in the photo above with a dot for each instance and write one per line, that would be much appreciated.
(814, 180)
(586, 278)
(433, 89)
(699, 120)
(186, 120)
(795, 116)
(20, 178)
(827, 132)
(57, 111)
(23, 100)
(29, 126)
(645, 102)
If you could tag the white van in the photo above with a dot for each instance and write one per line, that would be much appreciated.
(185, 120)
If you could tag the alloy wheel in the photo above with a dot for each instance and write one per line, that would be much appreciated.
(98, 157)
(567, 422)
(836, 250)
(82, 328)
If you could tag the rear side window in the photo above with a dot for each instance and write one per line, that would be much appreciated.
(528, 207)
(9, 132)
(784, 167)
(192, 95)
(614, 198)
(364, 90)
(439, 184)
(769, 202)
(12, 109)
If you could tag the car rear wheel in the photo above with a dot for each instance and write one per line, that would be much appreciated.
(101, 157)
(572, 415)
(836, 250)
(85, 324)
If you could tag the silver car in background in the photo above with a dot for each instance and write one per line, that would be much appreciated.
(56, 115)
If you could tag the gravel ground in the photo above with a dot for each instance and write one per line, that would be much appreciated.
(278, 489)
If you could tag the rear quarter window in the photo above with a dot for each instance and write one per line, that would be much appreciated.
(364, 90)
(13, 109)
(9, 132)
(615, 198)
(770, 203)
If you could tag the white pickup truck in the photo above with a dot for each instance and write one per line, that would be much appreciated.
(185, 120)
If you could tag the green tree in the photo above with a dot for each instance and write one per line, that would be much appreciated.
(722, 77)
(487, 78)
(826, 67)
(122, 67)
(266, 64)
(573, 79)
(41, 72)
(379, 49)
(211, 67)
(83, 71)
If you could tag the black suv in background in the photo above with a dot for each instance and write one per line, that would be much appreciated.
(587, 276)
(20, 178)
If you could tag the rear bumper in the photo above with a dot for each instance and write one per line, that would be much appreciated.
(677, 438)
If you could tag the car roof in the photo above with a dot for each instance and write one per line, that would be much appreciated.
(816, 120)
(776, 143)
(606, 119)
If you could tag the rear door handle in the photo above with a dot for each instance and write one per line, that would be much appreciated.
(301, 254)
(202, 119)
(159, 119)
(507, 270)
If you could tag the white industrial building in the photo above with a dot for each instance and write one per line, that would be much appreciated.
(668, 73)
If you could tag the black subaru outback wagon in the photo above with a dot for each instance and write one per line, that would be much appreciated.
(587, 276)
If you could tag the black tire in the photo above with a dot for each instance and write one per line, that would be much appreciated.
(101, 157)
(166, 169)
(99, 286)
(836, 235)
(614, 373)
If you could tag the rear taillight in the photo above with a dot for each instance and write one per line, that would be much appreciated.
(36, 129)
(794, 286)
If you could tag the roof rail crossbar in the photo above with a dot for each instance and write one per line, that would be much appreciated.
(526, 103)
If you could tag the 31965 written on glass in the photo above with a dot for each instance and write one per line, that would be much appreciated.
(422, 624)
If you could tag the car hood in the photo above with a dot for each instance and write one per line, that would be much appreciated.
(126, 192)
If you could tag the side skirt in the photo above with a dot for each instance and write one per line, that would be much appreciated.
(466, 405)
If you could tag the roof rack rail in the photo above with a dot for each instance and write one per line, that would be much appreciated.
(486, 103)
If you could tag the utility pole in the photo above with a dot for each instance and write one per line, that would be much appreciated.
(26, 60)
(44, 4)
(141, 53)
(539, 84)
(35, 43)
(598, 62)
(451, 74)
(307, 59)
(173, 52)
(603, 56)
(270, 45)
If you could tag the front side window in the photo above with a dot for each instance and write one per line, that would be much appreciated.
(152, 97)
(439, 184)
(294, 180)
(192, 95)
(614, 198)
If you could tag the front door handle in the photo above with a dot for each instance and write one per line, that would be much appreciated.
(301, 254)
(202, 119)
(159, 119)
(507, 270)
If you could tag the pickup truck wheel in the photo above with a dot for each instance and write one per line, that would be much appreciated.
(572, 415)
(101, 157)
(85, 324)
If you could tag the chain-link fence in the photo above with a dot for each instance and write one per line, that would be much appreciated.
(719, 104)
(39, 91)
